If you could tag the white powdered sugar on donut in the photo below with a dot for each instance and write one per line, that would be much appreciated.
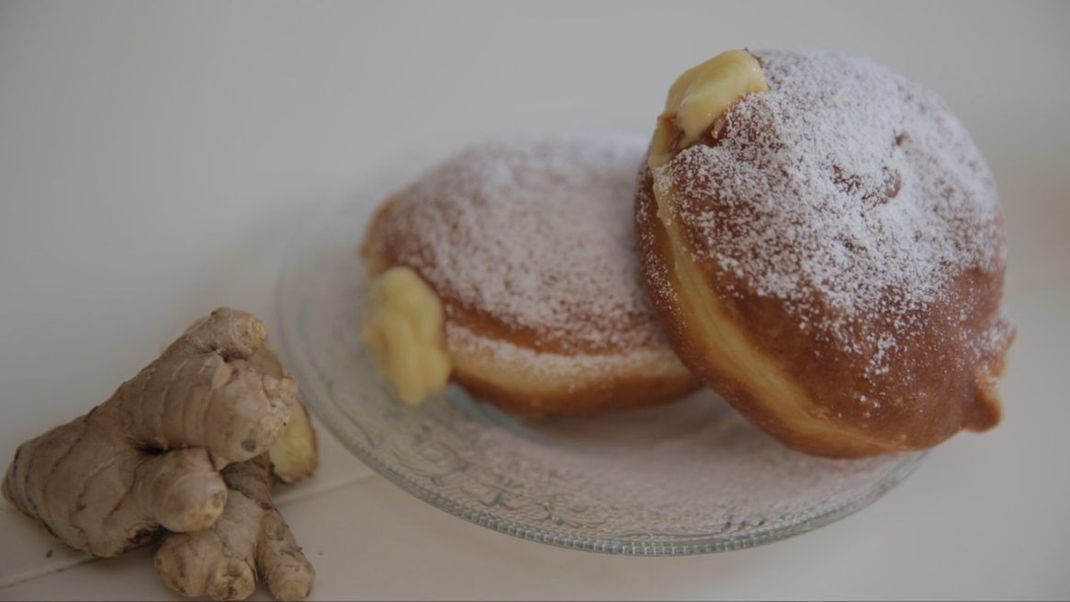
(846, 191)
(580, 369)
(537, 234)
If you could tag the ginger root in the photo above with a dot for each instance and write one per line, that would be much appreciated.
(294, 455)
(149, 456)
(250, 538)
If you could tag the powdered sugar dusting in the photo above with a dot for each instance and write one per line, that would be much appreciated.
(847, 191)
(580, 368)
(537, 234)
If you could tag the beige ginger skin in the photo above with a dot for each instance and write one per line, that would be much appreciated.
(249, 540)
(150, 457)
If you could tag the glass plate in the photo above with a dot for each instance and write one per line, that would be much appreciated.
(683, 478)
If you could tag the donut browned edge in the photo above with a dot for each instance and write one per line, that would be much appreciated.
(515, 387)
(732, 362)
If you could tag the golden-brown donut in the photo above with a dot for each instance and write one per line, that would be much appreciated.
(829, 255)
(530, 246)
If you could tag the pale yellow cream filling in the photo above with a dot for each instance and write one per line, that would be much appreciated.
(701, 95)
(404, 328)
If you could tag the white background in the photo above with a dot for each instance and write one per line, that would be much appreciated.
(155, 157)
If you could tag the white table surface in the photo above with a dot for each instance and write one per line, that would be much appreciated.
(155, 157)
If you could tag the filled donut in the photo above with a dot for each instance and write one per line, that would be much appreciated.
(512, 269)
(823, 244)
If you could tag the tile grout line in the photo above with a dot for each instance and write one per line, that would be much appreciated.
(300, 493)
(18, 578)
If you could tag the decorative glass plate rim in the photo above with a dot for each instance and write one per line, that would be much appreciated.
(675, 545)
